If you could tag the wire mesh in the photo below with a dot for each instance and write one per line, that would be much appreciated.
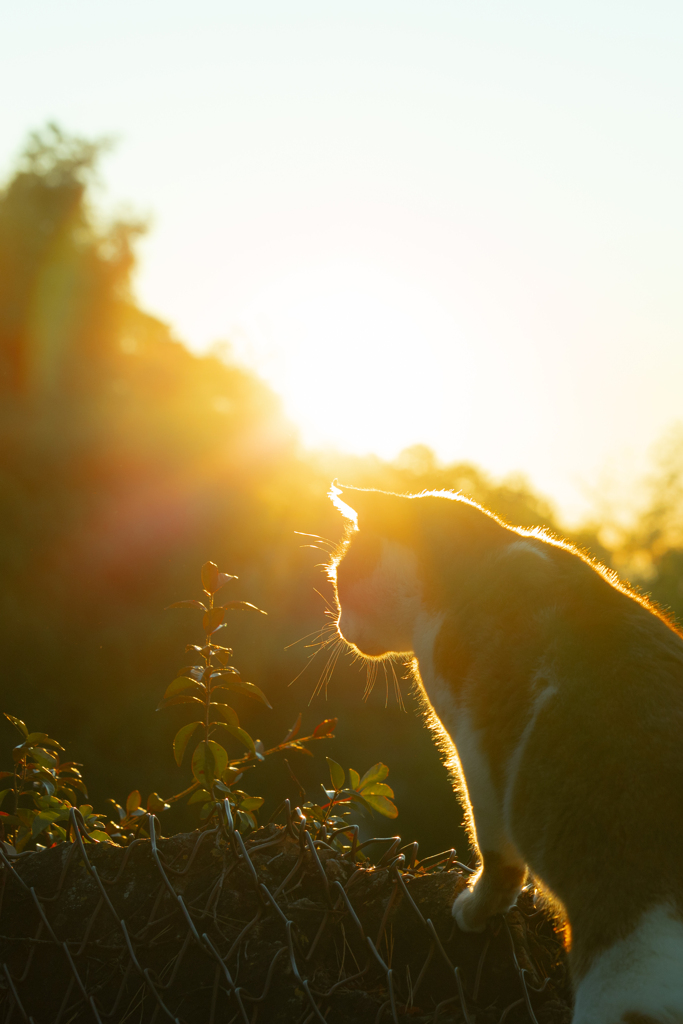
(281, 926)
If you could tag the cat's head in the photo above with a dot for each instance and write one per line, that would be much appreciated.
(375, 572)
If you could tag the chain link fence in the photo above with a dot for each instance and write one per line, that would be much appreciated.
(281, 927)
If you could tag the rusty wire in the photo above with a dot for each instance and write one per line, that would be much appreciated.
(81, 992)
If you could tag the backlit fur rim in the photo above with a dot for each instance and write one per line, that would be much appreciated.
(542, 533)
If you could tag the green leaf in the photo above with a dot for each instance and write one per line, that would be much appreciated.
(186, 604)
(227, 670)
(182, 698)
(377, 789)
(209, 577)
(133, 801)
(294, 730)
(337, 774)
(200, 796)
(242, 606)
(156, 804)
(36, 737)
(44, 757)
(241, 734)
(42, 821)
(377, 773)
(212, 579)
(209, 761)
(325, 728)
(241, 686)
(18, 724)
(354, 779)
(226, 714)
(212, 620)
(98, 836)
(252, 803)
(183, 683)
(381, 804)
(181, 739)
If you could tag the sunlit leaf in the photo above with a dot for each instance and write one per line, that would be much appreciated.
(180, 699)
(44, 757)
(377, 789)
(377, 773)
(181, 739)
(337, 774)
(243, 606)
(325, 728)
(155, 804)
(252, 803)
(98, 836)
(36, 737)
(209, 577)
(381, 804)
(212, 579)
(133, 801)
(182, 683)
(227, 670)
(186, 604)
(294, 730)
(212, 620)
(354, 779)
(242, 686)
(17, 723)
(226, 714)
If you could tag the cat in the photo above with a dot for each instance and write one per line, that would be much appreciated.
(559, 692)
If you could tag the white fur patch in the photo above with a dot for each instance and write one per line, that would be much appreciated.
(539, 703)
(483, 804)
(642, 973)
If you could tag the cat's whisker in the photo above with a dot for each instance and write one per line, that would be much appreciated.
(371, 679)
(326, 602)
(397, 688)
(324, 675)
(310, 658)
(314, 632)
(314, 536)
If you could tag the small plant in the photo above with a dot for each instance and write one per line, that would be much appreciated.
(207, 686)
(45, 790)
(42, 792)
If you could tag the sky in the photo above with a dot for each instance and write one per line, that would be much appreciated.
(455, 223)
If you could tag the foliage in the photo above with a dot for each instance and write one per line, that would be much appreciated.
(42, 791)
(369, 792)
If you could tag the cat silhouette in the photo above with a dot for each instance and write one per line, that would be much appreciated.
(556, 692)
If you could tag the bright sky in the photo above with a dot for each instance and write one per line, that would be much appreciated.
(457, 222)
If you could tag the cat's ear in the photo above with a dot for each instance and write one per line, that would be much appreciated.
(351, 501)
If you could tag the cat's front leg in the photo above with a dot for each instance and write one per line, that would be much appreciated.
(494, 891)
(500, 878)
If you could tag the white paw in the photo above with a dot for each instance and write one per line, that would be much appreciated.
(470, 916)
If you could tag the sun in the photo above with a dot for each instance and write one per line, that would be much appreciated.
(359, 359)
